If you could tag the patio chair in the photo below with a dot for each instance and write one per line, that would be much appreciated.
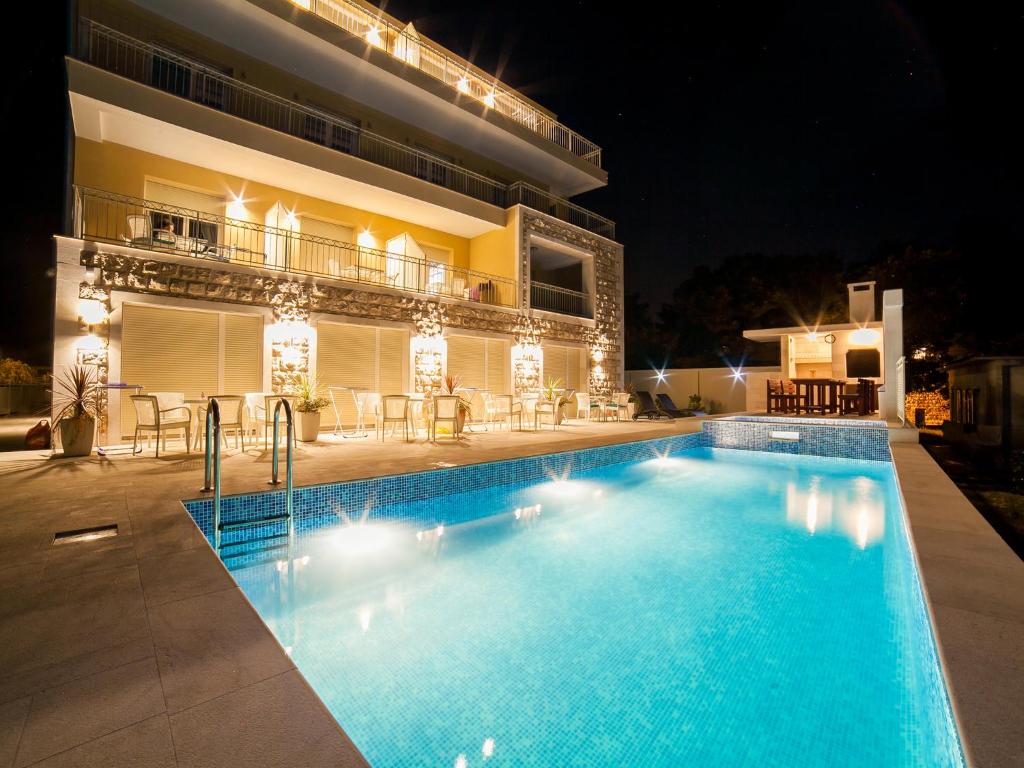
(267, 412)
(585, 406)
(446, 411)
(151, 417)
(506, 407)
(394, 410)
(666, 404)
(618, 406)
(232, 419)
(779, 400)
(646, 407)
(139, 229)
(545, 409)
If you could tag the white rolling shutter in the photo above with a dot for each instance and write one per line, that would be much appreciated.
(361, 357)
(479, 362)
(179, 350)
(565, 363)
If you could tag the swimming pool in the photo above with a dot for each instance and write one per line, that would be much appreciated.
(689, 606)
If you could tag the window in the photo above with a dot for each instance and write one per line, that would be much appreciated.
(326, 248)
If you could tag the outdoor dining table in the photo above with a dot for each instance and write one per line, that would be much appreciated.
(821, 395)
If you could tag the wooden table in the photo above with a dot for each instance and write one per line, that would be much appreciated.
(820, 395)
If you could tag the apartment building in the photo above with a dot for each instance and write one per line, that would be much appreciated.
(266, 188)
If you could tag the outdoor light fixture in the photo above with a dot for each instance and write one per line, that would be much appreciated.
(463, 85)
(236, 208)
(812, 336)
(489, 100)
(866, 336)
(366, 240)
(597, 355)
(373, 37)
(91, 311)
(660, 375)
(89, 262)
(89, 343)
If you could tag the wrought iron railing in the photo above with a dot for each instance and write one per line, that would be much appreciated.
(160, 68)
(112, 218)
(405, 44)
(563, 300)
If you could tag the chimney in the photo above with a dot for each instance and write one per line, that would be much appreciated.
(862, 302)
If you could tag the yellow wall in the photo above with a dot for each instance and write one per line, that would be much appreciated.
(123, 170)
(495, 252)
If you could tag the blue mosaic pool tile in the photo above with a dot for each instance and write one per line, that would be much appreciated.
(324, 504)
(853, 439)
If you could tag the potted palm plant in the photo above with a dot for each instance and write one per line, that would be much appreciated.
(553, 394)
(308, 404)
(451, 387)
(74, 399)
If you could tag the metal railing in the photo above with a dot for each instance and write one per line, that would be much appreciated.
(112, 218)
(405, 44)
(526, 194)
(211, 473)
(168, 71)
(563, 300)
(901, 390)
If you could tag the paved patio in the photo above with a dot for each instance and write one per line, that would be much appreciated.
(139, 650)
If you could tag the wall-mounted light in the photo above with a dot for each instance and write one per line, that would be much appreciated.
(91, 270)
(236, 208)
(597, 355)
(373, 37)
(864, 336)
(89, 343)
(660, 375)
(463, 85)
(91, 311)
(489, 100)
(812, 336)
(365, 239)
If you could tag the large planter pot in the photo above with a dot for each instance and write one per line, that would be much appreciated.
(307, 426)
(76, 435)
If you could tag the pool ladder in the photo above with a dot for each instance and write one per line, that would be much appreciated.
(211, 475)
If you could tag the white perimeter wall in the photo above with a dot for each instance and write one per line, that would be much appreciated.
(721, 391)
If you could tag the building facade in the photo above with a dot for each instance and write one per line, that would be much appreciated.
(269, 188)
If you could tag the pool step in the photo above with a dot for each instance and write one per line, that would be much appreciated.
(249, 523)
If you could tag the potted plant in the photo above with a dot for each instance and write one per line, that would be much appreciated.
(451, 387)
(75, 403)
(696, 405)
(553, 394)
(308, 405)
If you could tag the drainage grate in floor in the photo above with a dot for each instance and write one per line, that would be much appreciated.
(85, 534)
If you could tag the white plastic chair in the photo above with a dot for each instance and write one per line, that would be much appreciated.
(269, 404)
(139, 229)
(506, 408)
(232, 419)
(545, 409)
(395, 410)
(151, 417)
(446, 411)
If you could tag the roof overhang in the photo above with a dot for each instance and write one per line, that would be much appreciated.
(283, 35)
(776, 334)
(109, 108)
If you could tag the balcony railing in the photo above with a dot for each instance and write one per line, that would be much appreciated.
(405, 44)
(112, 218)
(562, 300)
(160, 68)
(526, 194)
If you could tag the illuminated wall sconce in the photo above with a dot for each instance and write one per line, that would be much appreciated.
(91, 312)
(865, 336)
(463, 85)
(365, 239)
(290, 331)
(489, 100)
(373, 37)
(89, 343)
(597, 355)
(236, 208)
(91, 270)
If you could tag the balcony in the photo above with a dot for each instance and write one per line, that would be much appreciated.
(107, 217)
(167, 71)
(405, 44)
(564, 301)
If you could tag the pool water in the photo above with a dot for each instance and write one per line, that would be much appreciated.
(711, 608)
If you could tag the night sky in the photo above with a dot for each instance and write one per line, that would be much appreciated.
(726, 128)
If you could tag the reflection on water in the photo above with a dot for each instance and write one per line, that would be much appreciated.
(855, 509)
